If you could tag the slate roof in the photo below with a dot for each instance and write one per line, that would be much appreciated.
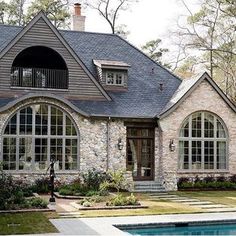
(143, 99)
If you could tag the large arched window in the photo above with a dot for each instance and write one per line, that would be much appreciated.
(37, 133)
(203, 143)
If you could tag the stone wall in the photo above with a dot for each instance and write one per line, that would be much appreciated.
(203, 98)
(92, 141)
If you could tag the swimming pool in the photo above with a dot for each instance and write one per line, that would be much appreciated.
(183, 229)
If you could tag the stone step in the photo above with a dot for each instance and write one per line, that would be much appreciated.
(186, 200)
(148, 190)
(199, 203)
(165, 196)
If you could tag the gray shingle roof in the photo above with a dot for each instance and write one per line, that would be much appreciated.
(143, 98)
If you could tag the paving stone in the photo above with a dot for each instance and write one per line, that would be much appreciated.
(210, 206)
(200, 203)
(228, 209)
(186, 201)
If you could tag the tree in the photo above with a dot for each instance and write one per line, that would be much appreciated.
(12, 13)
(56, 10)
(109, 9)
(153, 50)
(209, 33)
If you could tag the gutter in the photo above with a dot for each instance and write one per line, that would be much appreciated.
(108, 143)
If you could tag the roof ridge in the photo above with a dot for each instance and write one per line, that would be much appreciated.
(140, 51)
(85, 32)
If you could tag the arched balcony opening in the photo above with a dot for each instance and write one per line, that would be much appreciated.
(39, 67)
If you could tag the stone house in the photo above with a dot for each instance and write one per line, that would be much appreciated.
(92, 100)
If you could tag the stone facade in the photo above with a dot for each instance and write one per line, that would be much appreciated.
(203, 98)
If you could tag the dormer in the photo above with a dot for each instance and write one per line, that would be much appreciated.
(113, 75)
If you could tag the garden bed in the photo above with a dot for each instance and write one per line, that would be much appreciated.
(28, 210)
(79, 207)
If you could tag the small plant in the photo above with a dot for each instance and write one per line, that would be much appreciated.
(208, 179)
(121, 200)
(87, 204)
(93, 179)
(116, 181)
(37, 202)
(221, 179)
(42, 185)
(232, 178)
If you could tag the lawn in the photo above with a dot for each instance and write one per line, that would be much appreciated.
(156, 207)
(26, 223)
(219, 197)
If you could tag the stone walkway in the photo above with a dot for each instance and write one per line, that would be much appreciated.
(206, 206)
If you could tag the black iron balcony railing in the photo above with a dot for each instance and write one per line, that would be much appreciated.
(39, 78)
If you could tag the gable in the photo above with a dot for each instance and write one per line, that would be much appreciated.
(82, 85)
(188, 88)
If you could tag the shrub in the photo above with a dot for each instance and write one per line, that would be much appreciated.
(93, 179)
(208, 179)
(232, 178)
(92, 193)
(42, 185)
(116, 181)
(183, 181)
(87, 204)
(74, 189)
(221, 179)
(121, 200)
(37, 202)
(66, 191)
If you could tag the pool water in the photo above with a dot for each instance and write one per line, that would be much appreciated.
(220, 229)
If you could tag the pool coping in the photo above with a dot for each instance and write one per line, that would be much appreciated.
(108, 225)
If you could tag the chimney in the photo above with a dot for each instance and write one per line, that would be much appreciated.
(78, 21)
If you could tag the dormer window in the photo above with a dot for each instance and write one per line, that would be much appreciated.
(115, 78)
(113, 75)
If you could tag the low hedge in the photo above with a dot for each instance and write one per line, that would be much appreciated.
(207, 183)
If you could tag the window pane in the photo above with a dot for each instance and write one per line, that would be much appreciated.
(56, 152)
(196, 155)
(11, 126)
(41, 154)
(184, 131)
(220, 132)
(25, 154)
(71, 154)
(196, 125)
(221, 155)
(209, 155)
(41, 119)
(208, 125)
(184, 154)
(26, 121)
(9, 153)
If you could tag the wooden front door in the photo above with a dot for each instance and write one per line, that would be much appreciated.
(140, 153)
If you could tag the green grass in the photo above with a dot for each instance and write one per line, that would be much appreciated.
(219, 197)
(155, 207)
(26, 223)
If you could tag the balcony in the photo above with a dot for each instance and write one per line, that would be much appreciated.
(39, 78)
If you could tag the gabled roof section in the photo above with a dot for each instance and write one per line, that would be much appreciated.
(186, 88)
(41, 15)
(111, 64)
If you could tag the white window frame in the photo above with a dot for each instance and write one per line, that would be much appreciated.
(47, 136)
(202, 139)
(115, 73)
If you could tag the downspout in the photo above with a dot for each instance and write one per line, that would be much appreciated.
(108, 143)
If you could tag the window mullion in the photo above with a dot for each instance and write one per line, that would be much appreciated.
(49, 135)
(202, 142)
(215, 143)
(190, 142)
(63, 141)
(33, 136)
(17, 139)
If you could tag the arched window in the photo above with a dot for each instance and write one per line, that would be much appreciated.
(39, 67)
(37, 133)
(202, 143)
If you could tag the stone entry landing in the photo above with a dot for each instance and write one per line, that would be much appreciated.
(206, 206)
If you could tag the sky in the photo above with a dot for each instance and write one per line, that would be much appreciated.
(146, 20)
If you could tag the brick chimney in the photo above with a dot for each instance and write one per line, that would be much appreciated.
(78, 21)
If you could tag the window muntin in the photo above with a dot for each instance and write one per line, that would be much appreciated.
(202, 143)
(114, 78)
(36, 133)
